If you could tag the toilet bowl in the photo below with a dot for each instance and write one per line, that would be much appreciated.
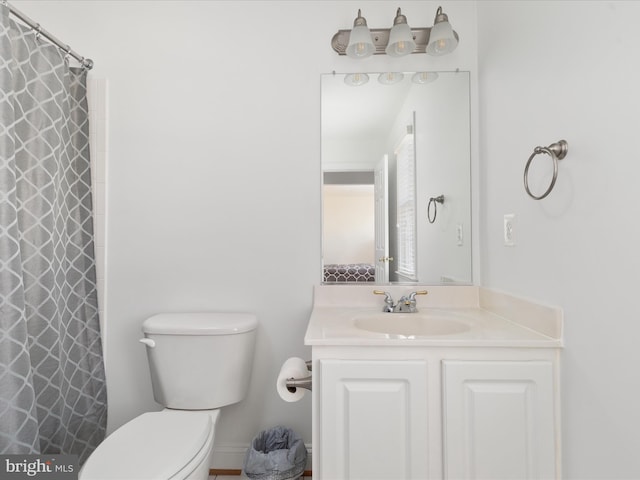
(199, 362)
(171, 444)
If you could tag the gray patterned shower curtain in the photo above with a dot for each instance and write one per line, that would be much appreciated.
(52, 384)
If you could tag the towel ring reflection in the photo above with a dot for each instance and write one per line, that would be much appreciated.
(557, 151)
(434, 201)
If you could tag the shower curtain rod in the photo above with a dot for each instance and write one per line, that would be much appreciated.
(85, 62)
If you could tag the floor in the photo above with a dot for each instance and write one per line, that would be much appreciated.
(236, 477)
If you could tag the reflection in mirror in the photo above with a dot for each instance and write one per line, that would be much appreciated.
(387, 149)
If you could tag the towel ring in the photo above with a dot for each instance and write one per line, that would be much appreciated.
(434, 201)
(557, 151)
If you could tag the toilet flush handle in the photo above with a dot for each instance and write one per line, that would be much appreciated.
(148, 342)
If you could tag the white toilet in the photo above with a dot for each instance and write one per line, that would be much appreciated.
(199, 362)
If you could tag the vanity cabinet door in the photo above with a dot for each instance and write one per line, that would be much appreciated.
(499, 420)
(373, 420)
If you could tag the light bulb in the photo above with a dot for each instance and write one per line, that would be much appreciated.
(401, 47)
(389, 78)
(424, 77)
(356, 79)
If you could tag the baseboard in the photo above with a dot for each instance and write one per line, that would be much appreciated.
(229, 457)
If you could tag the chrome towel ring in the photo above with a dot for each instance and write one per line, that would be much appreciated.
(434, 201)
(557, 151)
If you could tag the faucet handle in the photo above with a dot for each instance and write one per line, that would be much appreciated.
(412, 295)
(411, 301)
(387, 295)
(387, 300)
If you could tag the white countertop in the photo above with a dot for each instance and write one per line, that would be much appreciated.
(491, 319)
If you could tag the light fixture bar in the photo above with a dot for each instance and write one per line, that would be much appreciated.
(380, 37)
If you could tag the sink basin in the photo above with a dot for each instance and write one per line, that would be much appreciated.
(410, 325)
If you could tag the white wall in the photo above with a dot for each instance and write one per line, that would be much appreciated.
(570, 69)
(213, 181)
(443, 147)
(348, 224)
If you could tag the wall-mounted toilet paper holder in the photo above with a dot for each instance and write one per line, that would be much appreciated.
(294, 383)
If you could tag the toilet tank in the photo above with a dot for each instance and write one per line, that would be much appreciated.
(200, 361)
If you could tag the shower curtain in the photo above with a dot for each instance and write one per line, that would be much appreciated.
(52, 384)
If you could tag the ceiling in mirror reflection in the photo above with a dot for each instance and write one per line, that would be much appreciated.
(361, 126)
(348, 111)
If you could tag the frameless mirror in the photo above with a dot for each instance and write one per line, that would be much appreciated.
(396, 167)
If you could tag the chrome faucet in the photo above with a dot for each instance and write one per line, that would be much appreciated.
(388, 301)
(406, 304)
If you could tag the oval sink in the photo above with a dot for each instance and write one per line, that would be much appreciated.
(410, 325)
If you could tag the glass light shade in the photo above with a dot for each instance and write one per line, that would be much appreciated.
(356, 79)
(441, 39)
(389, 78)
(360, 43)
(424, 77)
(400, 41)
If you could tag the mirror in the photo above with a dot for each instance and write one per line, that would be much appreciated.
(396, 168)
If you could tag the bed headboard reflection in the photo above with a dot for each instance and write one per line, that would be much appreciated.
(352, 272)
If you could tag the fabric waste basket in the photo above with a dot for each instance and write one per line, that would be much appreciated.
(275, 454)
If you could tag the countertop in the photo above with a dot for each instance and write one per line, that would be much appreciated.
(491, 318)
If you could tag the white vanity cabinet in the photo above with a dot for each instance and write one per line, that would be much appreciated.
(373, 419)
(401, 397)
(434, 413)
(499, 420)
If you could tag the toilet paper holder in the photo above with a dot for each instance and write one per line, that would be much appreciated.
(294, 383)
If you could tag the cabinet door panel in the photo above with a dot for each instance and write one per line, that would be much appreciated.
(373, 419)
(499, 420)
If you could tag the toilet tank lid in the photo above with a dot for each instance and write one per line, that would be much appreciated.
(203, 323)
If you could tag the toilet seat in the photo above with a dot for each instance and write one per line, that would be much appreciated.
(154, 446)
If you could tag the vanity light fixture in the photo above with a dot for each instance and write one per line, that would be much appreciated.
(442, 39)
(400, 38)
(356, 79)
(397, 41)
(389, 78)
(360, 43)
